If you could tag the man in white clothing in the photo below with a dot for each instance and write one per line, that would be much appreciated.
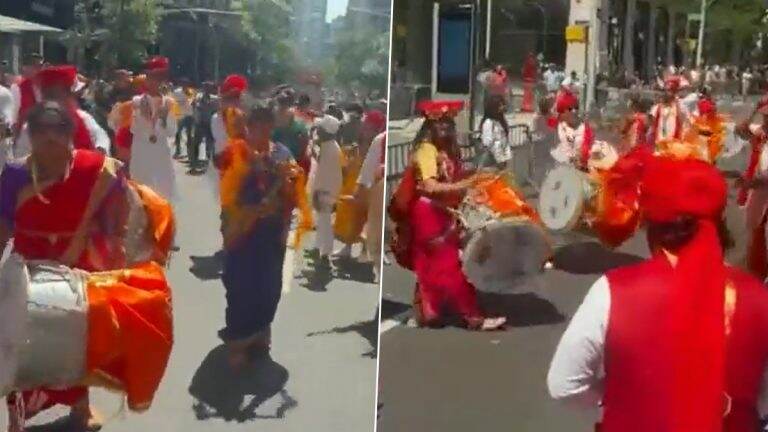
(153, 126)
(372, 179)
(327, 184)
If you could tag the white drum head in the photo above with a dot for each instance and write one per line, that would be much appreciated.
(561, 200)
(733, 145)
(56, 337)
(503, 251)
(14, 280)
(603, 156)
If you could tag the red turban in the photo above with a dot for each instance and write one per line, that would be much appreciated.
(675, 83)
(376, 120)
(57, 76)
(233, 85)
(673, 188)
(566, 101)
(157, 64)
(436, 109)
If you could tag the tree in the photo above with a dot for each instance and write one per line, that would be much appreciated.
(362, 58)
(267, 30)
(118, 32)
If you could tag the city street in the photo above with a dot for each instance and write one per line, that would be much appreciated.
(452, 380)
(321, 373)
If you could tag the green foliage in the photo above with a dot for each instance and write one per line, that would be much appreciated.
(362, 58)
(742, 17)
(268, 36)
(122, 30)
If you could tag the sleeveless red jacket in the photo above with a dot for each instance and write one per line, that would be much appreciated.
(637, 353)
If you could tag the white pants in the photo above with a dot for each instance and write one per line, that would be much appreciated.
(324, 238)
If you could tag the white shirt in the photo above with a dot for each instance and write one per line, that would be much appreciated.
(552, 80)
(496, 140)
(372, 161)
(577, 372)
(328, 176)
(219, 132)
(8, 108)
(99, 136)
(668, 121)
(569, 142)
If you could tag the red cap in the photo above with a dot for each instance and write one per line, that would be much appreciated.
(436, 109)
(57, 76)
(566, 101)
(376, 120)
(675, 83)
(707, 106)
(157, 64)
(673, 188)
(233, 85)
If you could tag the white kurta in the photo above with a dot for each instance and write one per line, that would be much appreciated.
(577, 371)
(668, 121)
(99, 137)
(496, 140)
(151, 162)
(219, 132)
(757, 201)
(327, 186)
(569, 142)
(368, 173)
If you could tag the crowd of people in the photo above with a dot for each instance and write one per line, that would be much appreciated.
(76, 151)
(698, 365)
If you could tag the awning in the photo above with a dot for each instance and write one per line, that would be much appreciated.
(15, 25)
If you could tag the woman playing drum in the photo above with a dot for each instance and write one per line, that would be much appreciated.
(70, 206)
(427, 241)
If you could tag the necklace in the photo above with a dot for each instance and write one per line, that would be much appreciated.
(36, 182)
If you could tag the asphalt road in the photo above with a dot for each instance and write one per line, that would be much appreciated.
(453, 380)
(320, 375)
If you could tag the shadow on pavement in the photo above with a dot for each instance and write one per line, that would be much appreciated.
(348, 268)
(521, 310)
(369, 330)
(257, 392)
(316, 278)
(391, 309)
(207, 267)
(570, 258)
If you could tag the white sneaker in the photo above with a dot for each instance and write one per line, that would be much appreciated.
(549, 265)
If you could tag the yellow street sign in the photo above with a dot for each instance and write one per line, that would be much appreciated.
(576, 33)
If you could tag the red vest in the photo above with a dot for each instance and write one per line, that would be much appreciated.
(638, 370)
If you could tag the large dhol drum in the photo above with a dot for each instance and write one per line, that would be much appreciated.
(138, 241)
(564, 196)
(501, 247)
(43, 325)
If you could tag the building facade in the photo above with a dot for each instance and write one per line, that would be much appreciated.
(45, 19)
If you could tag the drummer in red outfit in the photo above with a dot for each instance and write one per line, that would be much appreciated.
(680, 337)
(428, 241)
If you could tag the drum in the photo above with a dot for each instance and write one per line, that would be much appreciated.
(564, 196)
(46, 338)
(501, 251)
(603, 156)
(732, 145)
(504, 240)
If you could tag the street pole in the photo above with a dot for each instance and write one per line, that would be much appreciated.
(702, 24)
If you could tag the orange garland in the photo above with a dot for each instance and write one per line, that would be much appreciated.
(502, 198)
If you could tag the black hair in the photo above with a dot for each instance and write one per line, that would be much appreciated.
(336, 112)
(44, 112)
(354, 107)
(426, 129)
(672, 236)
(261, 115)
(303, 100)
(493, 111)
